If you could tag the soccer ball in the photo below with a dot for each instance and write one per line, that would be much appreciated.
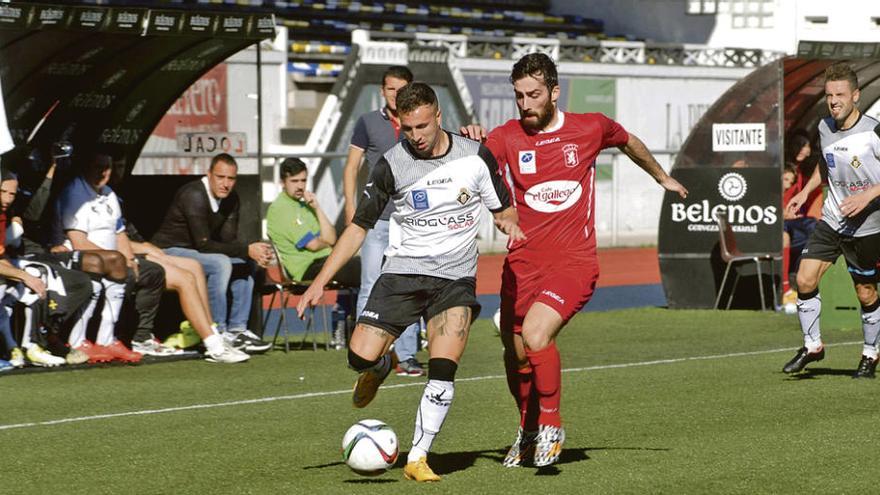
(369, 447)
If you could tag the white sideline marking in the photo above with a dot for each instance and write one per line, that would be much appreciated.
(146, 412)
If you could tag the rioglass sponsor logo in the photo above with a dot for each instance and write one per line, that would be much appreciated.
(451, 222)
(554, 195)
(854, 187)
(701, 216)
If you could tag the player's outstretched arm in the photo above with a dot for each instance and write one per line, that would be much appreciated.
(507, 221)
(349, 180)
(636, 150)
(349, 243)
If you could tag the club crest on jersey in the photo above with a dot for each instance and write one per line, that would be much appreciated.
(463, 196)
(829, 159)
(570, 152)
(528, 162)
(420, 199)
(855, 163)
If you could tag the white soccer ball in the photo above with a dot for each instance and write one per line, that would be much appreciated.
(369, 447)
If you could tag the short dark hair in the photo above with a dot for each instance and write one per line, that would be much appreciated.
(222, 157)
(291, 167)
(397, 72)
(841, 71)
(535, 65)
(6, 174)
(414, 95)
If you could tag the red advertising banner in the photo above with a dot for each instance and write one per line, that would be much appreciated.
(202, 108)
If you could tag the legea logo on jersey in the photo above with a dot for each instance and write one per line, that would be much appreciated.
(420, 199)
(528, 163)
(553, 196)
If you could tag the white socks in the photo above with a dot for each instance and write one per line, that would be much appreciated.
(433, 407)
(78, 332)
(871, 329)
(808, 315)
(114, 294)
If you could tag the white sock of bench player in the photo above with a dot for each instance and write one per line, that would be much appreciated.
(114, 294)
(78, 332)
(809, 305)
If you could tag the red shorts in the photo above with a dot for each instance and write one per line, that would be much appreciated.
(566, 285)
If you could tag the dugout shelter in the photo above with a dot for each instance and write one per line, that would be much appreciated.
(732, 165)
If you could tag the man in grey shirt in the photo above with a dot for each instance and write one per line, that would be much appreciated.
(375, 133)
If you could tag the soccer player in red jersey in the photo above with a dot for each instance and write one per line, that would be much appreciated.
(548, 158)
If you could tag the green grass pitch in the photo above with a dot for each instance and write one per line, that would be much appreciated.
(654, 401)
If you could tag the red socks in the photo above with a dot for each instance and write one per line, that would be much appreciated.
(547, 377)
(786, 261)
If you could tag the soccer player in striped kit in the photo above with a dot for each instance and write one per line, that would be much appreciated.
(440, 184)
(850, 223)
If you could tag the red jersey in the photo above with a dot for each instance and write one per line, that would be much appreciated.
(552, 174)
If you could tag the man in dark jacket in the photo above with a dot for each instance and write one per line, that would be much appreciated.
(202, 223)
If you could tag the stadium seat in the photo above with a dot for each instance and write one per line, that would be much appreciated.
(731, 255)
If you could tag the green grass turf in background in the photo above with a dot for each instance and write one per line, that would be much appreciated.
(731, 424)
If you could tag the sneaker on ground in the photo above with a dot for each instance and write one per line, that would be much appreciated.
(521, 449)
(409, 367)
(248, 342)
(121, 353)
(153, 347)
(867, 368)
(76, 356)
(16, 357)
(368, 382)
(419, 471)
(6, 366)
(549, 445)
(229, 354)
(40, 357)
(803, 358)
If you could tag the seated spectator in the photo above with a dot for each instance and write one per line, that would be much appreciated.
(92, 220)
(301, 232)
(202, 224)
(797, 228)
(304, 237)
(53, 296)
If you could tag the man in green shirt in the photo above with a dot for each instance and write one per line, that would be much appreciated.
(300, 230)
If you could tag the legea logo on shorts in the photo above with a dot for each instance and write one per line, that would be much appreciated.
(554, 195)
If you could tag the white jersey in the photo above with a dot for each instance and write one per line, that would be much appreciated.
(438, 206)
(852, 160)
(98, 214)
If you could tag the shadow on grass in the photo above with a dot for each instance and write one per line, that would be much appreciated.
(450, 462)
(812, 373)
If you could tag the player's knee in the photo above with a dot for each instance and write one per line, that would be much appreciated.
(867, 294)
(442, 369)
(358, 363)
(806, 282)
(535, 341)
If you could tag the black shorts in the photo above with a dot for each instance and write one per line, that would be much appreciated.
(398, 301)
(860, 253)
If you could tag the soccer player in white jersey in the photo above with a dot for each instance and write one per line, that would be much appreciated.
(850, 222)
(439, 183)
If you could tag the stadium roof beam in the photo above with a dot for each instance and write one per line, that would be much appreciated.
(105, 76)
